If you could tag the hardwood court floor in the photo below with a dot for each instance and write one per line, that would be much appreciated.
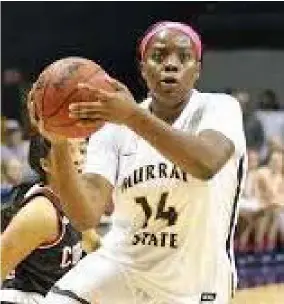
(270, 294)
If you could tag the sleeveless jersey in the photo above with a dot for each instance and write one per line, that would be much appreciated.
(173, 232)
(48, 263)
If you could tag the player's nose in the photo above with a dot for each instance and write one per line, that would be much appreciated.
(171, 63)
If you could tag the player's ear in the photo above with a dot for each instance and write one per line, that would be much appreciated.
(197, 71)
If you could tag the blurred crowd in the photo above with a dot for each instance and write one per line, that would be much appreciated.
(261, 220)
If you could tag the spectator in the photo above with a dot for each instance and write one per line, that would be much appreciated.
(253, 128)
(270, 180)
(12, 80)
(268, 101)
(253, 163)
(248, 202)
(265, 222)
(11, 173)
(14, 144)
(16, 148)
(3, 131)
(273, 143)
(270, 194)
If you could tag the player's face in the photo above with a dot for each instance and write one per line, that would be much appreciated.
(170, 66)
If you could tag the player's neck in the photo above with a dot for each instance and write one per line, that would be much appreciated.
(51, 184)
(167, 111)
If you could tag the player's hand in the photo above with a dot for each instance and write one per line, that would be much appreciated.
(38, 124)
(117, 107)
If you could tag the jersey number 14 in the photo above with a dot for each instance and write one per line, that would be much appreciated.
(170, 215)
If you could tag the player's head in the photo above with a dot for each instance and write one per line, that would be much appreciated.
(170, 56)
(39, 156)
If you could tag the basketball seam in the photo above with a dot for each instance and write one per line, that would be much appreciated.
(61, 105)
(69, 95)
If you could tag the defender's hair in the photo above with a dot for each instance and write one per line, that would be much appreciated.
(39, 148)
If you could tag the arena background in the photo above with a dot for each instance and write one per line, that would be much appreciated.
(243, 50)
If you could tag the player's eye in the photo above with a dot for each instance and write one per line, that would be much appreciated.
(184, 56)
(157, 56)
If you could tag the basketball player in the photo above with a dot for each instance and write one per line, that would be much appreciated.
(173, 166)
(38, 241)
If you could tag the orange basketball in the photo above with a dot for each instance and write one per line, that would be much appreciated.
(57, 87)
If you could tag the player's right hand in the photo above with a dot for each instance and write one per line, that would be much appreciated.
(38, 124)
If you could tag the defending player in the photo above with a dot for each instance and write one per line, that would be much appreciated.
(38, 243)
(174, 168)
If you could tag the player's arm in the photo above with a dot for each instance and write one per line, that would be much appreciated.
(201, 155)
(82, 197)
(91, 240)
(35, 224)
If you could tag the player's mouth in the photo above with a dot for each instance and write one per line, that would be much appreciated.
(169, 82)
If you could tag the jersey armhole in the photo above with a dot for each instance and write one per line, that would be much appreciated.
(61, 232)
(61, 225)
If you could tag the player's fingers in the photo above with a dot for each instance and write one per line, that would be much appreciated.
(88, 122)
(97, 92)
(87, 113)
(81, 106)
(92, 117)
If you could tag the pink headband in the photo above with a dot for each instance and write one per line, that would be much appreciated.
(186, 29)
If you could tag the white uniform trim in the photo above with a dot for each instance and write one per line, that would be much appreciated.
(20, 297)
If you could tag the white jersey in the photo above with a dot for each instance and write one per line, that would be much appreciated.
(171, 231)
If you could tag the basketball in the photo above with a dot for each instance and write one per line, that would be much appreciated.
(57, 87)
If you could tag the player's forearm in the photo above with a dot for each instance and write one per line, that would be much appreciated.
(192, 153)
(5, 265)
(75, 199)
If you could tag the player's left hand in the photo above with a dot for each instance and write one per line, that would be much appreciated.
(118, 106)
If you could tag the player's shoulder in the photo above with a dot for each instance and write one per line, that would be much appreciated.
(37, 211)
(221, 104)
(219, 99)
